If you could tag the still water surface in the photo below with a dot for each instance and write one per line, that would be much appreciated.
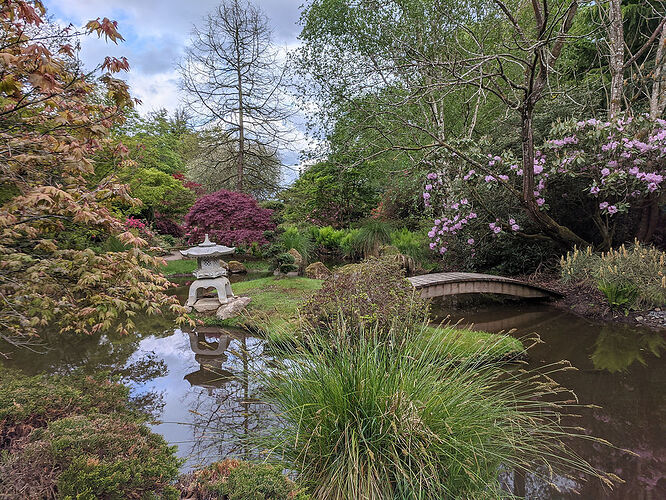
(205, 399)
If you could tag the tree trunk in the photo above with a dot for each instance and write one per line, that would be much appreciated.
(616, 62)
(650, 218)
(658, 96)
(241, 135)
(561, 234)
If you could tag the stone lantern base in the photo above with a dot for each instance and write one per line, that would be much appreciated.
(221, 284)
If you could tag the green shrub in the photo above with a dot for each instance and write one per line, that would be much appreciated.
(284, 263)
(629, 277)
(413, 244)
(235, 480)
(380, 419)
(363, 296)
(40, 399)
(371, 236)
(619, 295)
(78, 437)
(348, 245)
(298, 240)
(330, 239)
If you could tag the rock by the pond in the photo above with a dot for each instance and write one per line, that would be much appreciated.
(236, 267)
(233, 308)
(207, 304)
(298, 258)
(317, 271)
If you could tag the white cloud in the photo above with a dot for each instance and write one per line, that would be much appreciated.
(156, 33)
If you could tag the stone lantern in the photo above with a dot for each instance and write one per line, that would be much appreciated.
(209, 272)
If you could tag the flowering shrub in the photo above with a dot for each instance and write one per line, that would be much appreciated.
(229, 218)
(595, 170)
(621, 162)
(638, 274)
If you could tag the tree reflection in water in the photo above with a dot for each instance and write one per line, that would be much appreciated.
(616, 349)
(228, 412)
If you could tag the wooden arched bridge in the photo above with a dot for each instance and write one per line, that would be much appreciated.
(441, 284)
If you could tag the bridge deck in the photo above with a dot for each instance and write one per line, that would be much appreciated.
(439, 284)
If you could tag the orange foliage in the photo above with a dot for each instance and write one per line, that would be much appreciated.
(52, 123)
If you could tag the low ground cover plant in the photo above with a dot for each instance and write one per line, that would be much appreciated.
(236, 480)
(629, 277)
(78, 437)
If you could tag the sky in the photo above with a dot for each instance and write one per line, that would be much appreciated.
(156, 33)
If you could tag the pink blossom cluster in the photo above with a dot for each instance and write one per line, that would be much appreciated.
(140, 226)
(627, 164)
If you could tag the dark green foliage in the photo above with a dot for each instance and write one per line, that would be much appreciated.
(363, 296)
(329, 194)
(284, 263)
(236, 480)
(78, 437)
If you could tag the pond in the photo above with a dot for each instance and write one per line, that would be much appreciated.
(199, 386)
(618, 369)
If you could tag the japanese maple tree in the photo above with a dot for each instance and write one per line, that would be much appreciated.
(54, 117)
(230, 218)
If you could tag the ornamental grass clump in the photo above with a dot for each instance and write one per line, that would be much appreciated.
(381, 419)
(633, 277)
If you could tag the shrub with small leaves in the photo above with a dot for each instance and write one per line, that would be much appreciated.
(235, 480)
(284, 263)
(372, 294)
(78, 437)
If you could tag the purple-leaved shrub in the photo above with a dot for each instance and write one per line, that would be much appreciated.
(230, 218)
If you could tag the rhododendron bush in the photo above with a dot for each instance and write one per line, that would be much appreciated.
(595, 178)
(230, 218)
(52, 123)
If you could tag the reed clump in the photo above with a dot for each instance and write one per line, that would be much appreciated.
(629, 276)
(391, 415)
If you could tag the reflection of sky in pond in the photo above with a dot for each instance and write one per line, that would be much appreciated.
(209, 420)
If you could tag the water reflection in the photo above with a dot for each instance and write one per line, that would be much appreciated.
(616, 349)
(619, 370)
(203, 388)
(211, 394)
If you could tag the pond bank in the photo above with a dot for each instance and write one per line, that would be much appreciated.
(590, 303)
(274, 313)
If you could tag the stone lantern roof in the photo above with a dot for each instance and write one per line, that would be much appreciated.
(207, 249)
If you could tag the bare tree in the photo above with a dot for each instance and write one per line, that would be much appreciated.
(213, 165)
(232, 78)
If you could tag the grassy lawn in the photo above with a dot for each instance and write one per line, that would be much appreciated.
(183, 266)
(187, 266)
(274, 311)
(274, 305)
